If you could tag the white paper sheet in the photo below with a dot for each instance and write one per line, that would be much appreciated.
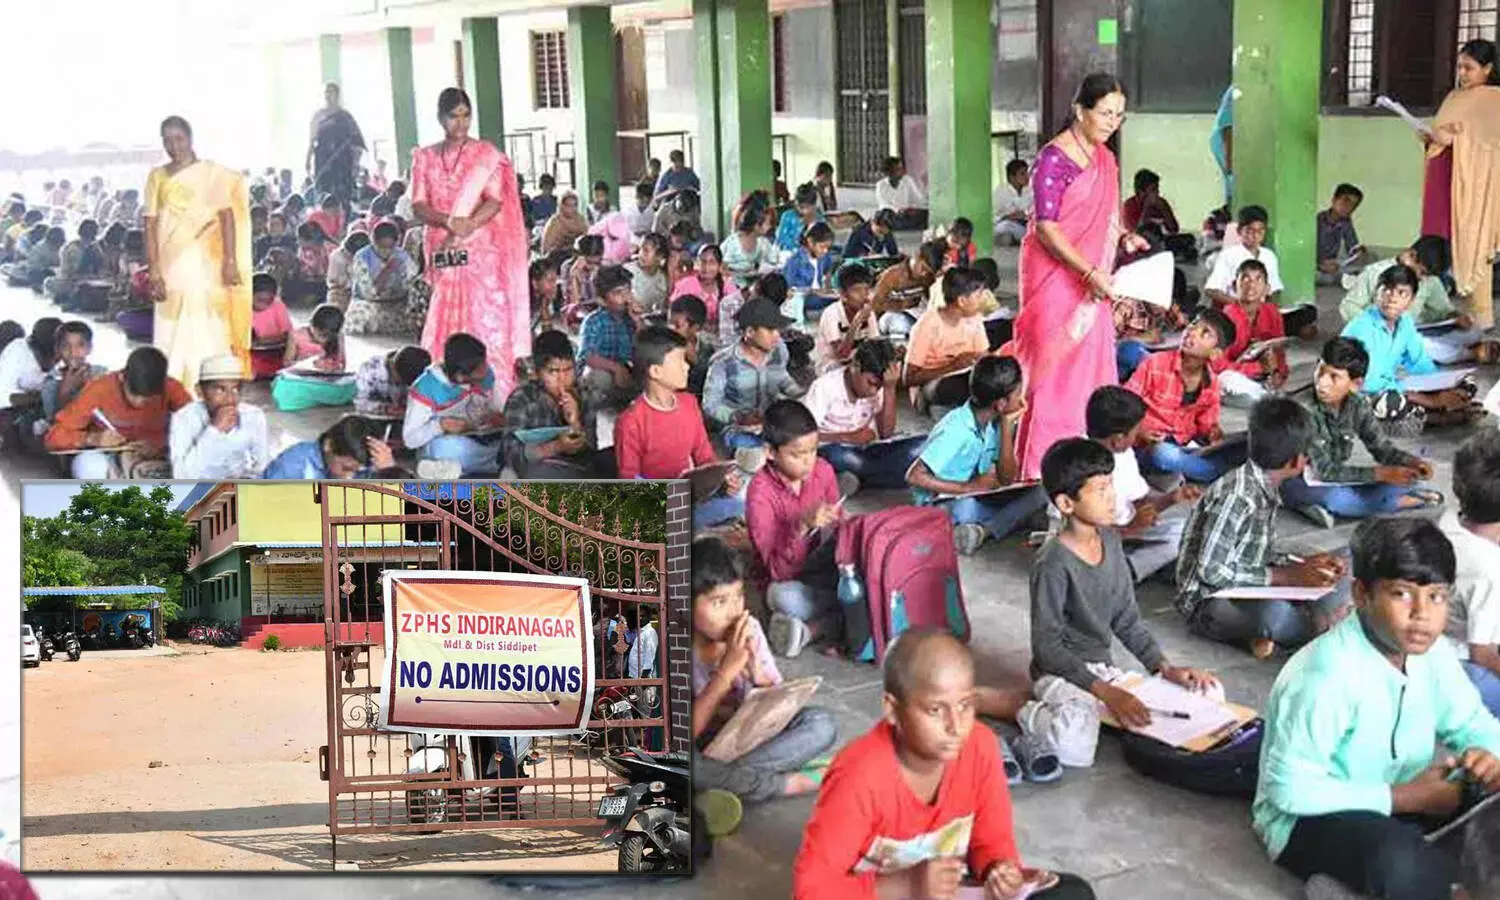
(1434, 381)
(1206, 715)
(1434, 326)
(1412, 121)
(1278, 592)
(1148, 280)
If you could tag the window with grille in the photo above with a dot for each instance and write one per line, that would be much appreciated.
(549, 69)
(1478, 19)
(778, 64)
(1360, 79)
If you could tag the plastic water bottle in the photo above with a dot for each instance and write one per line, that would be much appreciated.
(851, 588)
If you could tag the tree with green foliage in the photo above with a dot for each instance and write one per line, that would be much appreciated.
(106, 537)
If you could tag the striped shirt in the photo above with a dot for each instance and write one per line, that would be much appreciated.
(1226, 541)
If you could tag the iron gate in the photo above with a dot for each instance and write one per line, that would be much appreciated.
(371, 527)
(862, 73)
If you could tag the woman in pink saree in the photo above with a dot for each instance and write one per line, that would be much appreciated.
(464, 191)
(1064, 334)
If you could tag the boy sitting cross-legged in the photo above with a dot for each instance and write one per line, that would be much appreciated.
(453, 411)
(1254, 319)
(855, 406)
(1429, 257)
(1150, 521)
(1349, 779)
(1182, 403)
(1227, 544)
(1082, 597)
(972, 450)
(549, 400)
(1340, 414)
(918, 802)
(730, 657)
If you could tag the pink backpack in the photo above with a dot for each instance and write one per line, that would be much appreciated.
(909, 570)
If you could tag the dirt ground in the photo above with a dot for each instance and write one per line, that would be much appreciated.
(236, 735)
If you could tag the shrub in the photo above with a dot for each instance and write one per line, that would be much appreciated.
(273, 642)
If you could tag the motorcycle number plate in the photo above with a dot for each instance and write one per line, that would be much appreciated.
(612, 806)
(620, 707)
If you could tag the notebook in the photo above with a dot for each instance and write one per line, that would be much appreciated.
(761, 715)
(708, 478)
(1272, 592)
(1435, 381)
(1259, 348)
(531, 436)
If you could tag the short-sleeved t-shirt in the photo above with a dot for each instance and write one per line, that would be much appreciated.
(1130, 486)
(835, 409)
(1474, 614)
(833, 324)
(934, 342)
(1227, 267)
(958, 449)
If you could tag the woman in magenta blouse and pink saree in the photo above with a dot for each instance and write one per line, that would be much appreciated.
(1064, 334)
(464, 191)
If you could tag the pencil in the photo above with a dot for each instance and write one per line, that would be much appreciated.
(1169, 713)
(104, 420)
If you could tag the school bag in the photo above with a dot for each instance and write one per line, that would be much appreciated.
(908, 569)
(1229, 769)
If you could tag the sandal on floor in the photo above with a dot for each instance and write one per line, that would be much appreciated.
(1429, 498)
(1038, 758)
(1013, 774)
(722, 811)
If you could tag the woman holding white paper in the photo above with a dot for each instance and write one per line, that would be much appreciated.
(1461, 200)
(464, 191)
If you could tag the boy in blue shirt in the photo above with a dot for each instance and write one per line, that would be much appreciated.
(1349, 779)
(1391, 339)
(973, 450)
(799, 218)
(606, 342)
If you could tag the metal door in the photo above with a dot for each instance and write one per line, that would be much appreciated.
(864, 96)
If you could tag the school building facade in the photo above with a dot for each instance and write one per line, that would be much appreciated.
(256, 559)
(958, 87)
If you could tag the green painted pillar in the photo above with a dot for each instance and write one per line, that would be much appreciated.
(1277, 66)
(482, 76)
(591, 89)
(331, 57)
(403, 94)
(744, 98)
(706, 148)
(960, 59)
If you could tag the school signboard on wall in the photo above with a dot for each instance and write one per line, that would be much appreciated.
(486, 653)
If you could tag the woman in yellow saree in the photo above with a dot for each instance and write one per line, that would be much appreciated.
(1462, 195)
(198, 247)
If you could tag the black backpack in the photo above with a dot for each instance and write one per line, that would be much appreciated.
(1230, 769)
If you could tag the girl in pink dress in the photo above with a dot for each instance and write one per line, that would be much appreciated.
(1064, 333)
(464, 191)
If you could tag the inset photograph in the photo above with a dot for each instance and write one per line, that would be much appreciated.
(370, 676)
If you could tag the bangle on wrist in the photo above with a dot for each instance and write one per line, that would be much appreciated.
(1089, 274)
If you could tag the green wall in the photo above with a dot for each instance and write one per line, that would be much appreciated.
(227, 608)
(1378, 154)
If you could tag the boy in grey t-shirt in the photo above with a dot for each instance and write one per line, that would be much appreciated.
(1083, 596)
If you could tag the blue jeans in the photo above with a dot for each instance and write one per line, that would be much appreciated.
(880, 465)
(760, 775)
(475, 456)
(1487, 682)
(1129, 354)
(1288, 624)
(717, 510)
(1347, 501)
(1165, 456)
(1000, 515)
(735, 439)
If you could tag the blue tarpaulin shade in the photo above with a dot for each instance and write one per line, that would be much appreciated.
(101, 590)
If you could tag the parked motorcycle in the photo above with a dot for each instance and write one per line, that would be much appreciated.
(651, 818)
(93, 639)
(148, 636)
(111, 637)
(70, 646)
(621, 703)
(130, 635)
(478, 760)
(45, 646)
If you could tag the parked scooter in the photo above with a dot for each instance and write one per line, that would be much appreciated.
(45, 646)
(621, 703)
(130, 635)
(69, 644)
(93, 639)
(429, 756)
(651, 818)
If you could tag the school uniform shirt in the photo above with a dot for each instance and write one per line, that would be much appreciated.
(299, 462)
(802, 272)
(1474, 611)
(650, 289)
(735, 384)
(433, 397)
(773, 515)
(1334, 433)
(958, 449)
(864, 242)
(867, 822)
(1430, 305)
(543, 206)
(1266, 325)
(837, 410)
(1343, 725)
(1159, 382)
(1227, 539)
(640, 659)
(1227, 267)
(1336, 237)
(1009, 202)
(661, 443)
(934, 343)
(1130, 486)
(1391, 349)
(1078, 609)
(146, 424)
(19, 371)
(199, 450)
(607, 334)
(833, 325)
(903, 195)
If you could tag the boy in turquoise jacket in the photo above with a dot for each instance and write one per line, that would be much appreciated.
(1349, 780)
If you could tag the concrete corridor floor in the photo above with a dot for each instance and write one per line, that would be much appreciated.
(1132, 838)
